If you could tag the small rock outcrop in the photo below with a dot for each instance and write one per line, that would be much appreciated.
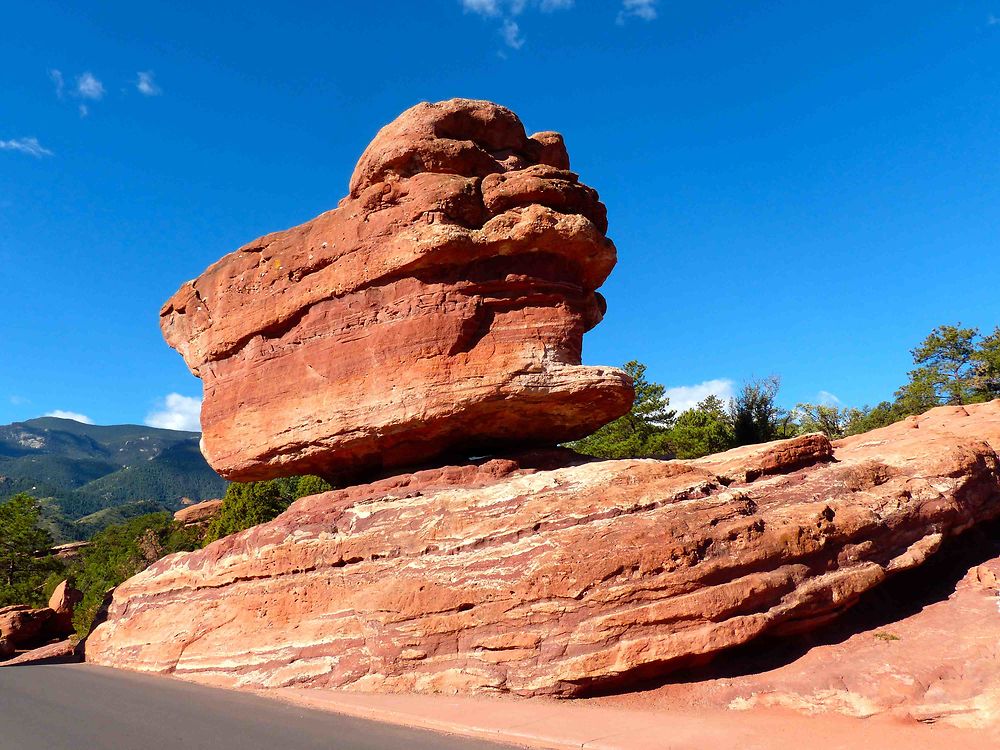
(199, 514)
(514, 576)
(438, 311)
(24, 627)
(62, 603)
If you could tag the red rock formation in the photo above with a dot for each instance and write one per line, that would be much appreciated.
(438, 310)
(933, 663)
(198, 514)
(62, 602)
(23, 624)
(514, 576)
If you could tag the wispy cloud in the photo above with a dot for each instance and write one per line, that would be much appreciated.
(482, 7)
(88, 87)
(146, 85)
(513, 7)
(75, 416)
(29, 146)
(177, 412)
(511, 34)
(644, 9)
(825, 398)
(57, 78)
(508, 10)
(992, 20)
(684, 397)
(19, 400)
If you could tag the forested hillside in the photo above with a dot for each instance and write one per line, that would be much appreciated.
(87, 474)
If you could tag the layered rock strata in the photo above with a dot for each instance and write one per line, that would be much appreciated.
(438, 310)
(516, 576)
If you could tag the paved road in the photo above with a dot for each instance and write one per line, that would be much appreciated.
(82, 707)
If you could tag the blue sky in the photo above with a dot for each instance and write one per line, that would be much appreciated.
(794, 188)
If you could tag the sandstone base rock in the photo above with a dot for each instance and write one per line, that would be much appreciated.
(901, 653)
(514, 576)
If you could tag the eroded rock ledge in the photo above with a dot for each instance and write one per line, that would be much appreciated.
(516, 576)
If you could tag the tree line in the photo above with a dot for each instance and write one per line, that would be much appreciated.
(953, 365)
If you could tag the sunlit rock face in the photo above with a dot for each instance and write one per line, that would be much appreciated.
(439, 310)
(552, 575)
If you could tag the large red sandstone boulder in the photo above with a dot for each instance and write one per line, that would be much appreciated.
(438, 310)
(515, 576)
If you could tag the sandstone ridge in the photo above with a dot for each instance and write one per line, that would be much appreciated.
(550, 575)
(438, 311)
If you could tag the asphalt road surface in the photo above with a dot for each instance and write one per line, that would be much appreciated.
(82, 707)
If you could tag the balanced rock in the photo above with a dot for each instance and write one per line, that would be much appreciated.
(438, 310)
(515, 576)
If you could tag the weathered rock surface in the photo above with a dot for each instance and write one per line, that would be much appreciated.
(438, 310)
(69, 551)
(23, 627)
(62, 603)
(896, 654)
(198, 514)
(61, 652)
(515, 576)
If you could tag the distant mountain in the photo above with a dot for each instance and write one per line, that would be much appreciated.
(87, 469)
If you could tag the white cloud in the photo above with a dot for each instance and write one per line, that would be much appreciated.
(57, 79)
(513, 7)
(684, 397)
(993, 20)
(84, 110)
(29, 146)
(482, 7)
(644, 9)
(825, 398)
(88, 87)
(146, 85)
(19, 400)
(510, 30)
(177, 412)
(75, 416)
(511, 34)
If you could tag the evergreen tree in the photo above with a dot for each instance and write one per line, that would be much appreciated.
(945, 372)
(24, 546)
(702, 430)
(755, 415)
(641, 433)
(252, 503)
